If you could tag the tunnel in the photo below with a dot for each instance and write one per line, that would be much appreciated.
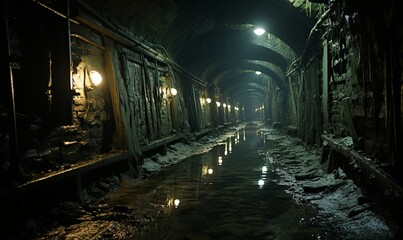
(201, 119)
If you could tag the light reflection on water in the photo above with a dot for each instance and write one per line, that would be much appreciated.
(228, 193)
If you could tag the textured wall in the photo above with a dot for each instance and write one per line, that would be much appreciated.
(365, 80)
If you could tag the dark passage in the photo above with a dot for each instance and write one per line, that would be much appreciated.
(227, 193)
(107, 109)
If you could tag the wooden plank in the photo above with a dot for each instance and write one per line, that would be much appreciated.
(349, 118)
(145, 98)
(113, 88)
(369, 168)
(325, 86)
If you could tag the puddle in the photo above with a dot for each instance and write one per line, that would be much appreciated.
(226, 193)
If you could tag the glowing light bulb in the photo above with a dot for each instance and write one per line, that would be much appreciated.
(210, 171)
(174, 91)
(95, 77)
(259, 31)
(260, 183)
(258, 72)
(176, 202)
(208, 100)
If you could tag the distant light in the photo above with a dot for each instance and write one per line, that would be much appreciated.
(218, 104)
(264, 169)
(208, 100)
(229, 106)
(259, 31)
(95, 77)
(224, 105)
(174, 91)
(210, 171)
(176, 202)
(220, 160)
(258, 72)
(260, 183)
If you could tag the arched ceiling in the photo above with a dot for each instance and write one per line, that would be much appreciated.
(214, 39)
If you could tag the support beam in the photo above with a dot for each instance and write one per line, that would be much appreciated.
(113, 88)
(7, 94)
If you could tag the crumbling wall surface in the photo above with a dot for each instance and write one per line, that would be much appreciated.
(365, 76)
(304, 102)
(306, 97)
(275, 99)
(133, 106)
(62, 118)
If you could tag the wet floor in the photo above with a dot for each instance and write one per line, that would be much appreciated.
(227, 193)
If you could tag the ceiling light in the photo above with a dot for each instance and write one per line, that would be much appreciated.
(258, 72)
(259, 31)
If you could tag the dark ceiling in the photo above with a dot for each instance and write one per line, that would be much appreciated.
(214, 39)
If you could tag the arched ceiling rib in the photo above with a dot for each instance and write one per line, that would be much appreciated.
(213, 39)
(245, 77)
(231, 76)
(240, 88)
(251, 90)
(221, 65)
(200, 55)
(197, 17)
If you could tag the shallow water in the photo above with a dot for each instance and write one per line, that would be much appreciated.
(227, 193)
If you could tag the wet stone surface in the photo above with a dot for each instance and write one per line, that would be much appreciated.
(227, 193)
(256, 184)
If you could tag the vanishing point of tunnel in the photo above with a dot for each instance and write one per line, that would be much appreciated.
(201, 119)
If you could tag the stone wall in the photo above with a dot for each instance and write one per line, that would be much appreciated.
(349, 79)
(133, 107)
(365, 76)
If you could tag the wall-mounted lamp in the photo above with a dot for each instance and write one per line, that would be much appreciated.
(96, 78)
(218, 104)
(173, 91)
(176, 202)
(208, 100)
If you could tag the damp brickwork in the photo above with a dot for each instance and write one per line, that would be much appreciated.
(365, 77)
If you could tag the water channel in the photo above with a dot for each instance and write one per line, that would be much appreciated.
(226, 193)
